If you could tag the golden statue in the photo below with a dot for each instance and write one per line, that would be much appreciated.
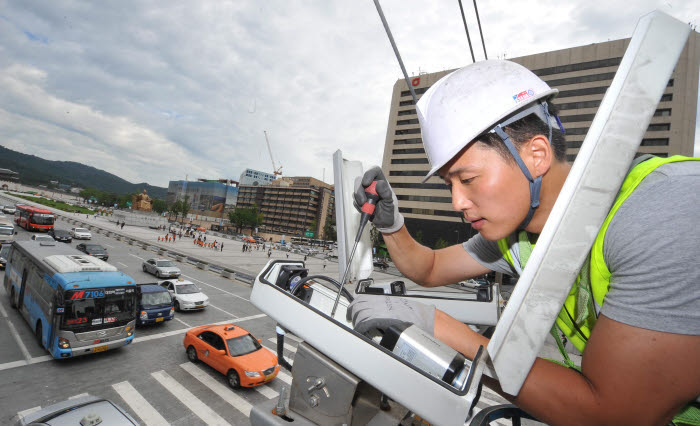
(142, 202)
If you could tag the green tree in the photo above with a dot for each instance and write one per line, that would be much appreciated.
(329, 231)
(245, 217)
(440, 244)
(235, 216)
(185, 207)
(159, 206)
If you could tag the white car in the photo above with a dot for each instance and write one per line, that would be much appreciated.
(9, 209)
(80, 234)
(39, 237)
(186, 295)
(161, 268)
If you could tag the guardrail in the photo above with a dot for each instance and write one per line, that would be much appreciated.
(224, 271)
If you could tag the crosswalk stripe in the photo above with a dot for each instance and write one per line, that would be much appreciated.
(224, 392)
(78, 396)
(290, 348)
(266, 391)
(28, 411)
(199, 408)
(284, 377)
(138, 403)
(293, 337)
(274, 351)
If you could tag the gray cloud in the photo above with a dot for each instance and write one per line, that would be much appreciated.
(156, 90)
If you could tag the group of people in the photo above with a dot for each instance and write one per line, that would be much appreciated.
(120, 224)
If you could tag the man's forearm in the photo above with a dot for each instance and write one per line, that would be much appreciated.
(415, 261)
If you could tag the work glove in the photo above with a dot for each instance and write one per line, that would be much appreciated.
(373, 312)
(386, 217)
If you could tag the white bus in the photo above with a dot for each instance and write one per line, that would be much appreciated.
(75, 304)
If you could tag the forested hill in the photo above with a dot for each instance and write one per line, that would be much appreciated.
(37, 171)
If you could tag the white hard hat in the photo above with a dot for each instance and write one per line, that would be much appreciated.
(471, 101)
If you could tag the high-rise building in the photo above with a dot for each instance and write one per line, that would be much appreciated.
(255, 178)
(582, 75)
(210, 198)
(293, 206)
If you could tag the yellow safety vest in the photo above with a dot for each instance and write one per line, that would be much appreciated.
(579, 313)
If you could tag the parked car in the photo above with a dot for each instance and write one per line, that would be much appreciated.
(37, 237)
(161, 268)
(249, 240)
(94, 250)
(4, 253)
(9, 209)
(61, 235)
(232, 351)
(155, 304)
(186, 295)
(80, 411)
(81, 234)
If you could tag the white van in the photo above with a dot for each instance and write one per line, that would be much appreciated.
(7, 230)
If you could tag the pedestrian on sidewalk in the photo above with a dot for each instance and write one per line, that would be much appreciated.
(325, 262)
(123, 224)
(222, 246)
(269, 253)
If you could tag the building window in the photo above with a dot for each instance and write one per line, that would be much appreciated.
(670, 83)
(666, 112)
(408, 151)
(406, 103)
(581, 79)
(655, 142)
(408, 172)
(430, 212)
(407, 141)
(577, 131)
(425, 199)
(409, 161)
(570, 158)
(575, 118)
(404, 122)
(418, 91)
(582, 92)
(408, 112)
(667, 97)
(611, 62)
(659, 127)
(418, 185)
(407, 132)
(577, 105)
(574, 144)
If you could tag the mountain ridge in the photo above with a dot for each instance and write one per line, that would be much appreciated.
(35, 170)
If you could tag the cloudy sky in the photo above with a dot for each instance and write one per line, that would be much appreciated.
(157, 90)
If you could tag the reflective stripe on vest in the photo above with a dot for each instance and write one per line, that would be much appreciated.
(580, 311)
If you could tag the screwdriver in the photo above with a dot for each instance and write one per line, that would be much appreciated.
(367, 212)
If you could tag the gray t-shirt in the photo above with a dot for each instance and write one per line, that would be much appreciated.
(652, 249)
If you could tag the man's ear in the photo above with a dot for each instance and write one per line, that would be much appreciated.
(538, 155)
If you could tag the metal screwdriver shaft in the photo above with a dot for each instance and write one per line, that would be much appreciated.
(367, 211)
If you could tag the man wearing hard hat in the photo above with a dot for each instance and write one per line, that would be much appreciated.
(491, 133)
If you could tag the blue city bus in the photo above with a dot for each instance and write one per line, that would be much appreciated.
(75, 304)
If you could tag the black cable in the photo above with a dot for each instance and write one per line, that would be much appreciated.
(478, 21)
(578, 330)
(461, 9)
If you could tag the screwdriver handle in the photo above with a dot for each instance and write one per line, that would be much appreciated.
(372, 198)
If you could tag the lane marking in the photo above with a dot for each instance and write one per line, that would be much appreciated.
(124, 265)
(226, 312)
(188, 399)
(138, 257)
(22, 348)
(217, 288)
(3, 312)
(28, 411)
(107, 245)
(80, 395)
(138, 403)
(227, 394)
(293, 337)
(266, 391)
(288, 347)
(182, 322)
(285, 377)
(274, 351)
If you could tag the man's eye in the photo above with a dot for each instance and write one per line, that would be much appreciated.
(467, 181)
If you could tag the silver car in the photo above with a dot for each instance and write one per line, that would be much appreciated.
(80, 234)
(161, 268)
(78, 411)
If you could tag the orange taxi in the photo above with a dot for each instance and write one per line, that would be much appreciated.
(249, 240)
(232, 351)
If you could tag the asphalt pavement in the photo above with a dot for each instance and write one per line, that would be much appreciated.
(152, 378)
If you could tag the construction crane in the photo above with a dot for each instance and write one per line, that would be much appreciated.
(275, 170)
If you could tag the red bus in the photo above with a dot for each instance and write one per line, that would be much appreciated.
(34, 218)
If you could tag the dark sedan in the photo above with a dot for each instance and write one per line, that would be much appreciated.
(62, 235)
(94, 250)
